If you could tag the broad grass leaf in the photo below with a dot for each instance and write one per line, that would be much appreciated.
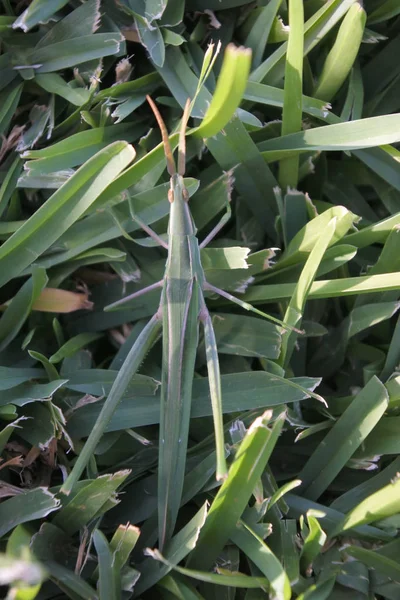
(53, 83)
(28, 392)
(257, 37)
(353, 135)
(29, 506)
(39, 11)
(351, 429)
(78, 148)
(240, 391)
(249, 337)
(65, 207)
(383, 503)
(90, 500)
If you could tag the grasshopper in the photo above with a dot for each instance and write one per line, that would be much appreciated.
(182, 308)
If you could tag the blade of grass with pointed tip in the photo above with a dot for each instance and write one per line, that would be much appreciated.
(343, 53)
(293, 91)
(228, 94)
(351, 429)
(78, 148)
(295, 310)
(383, 503)
(347, 286)
(353, 135)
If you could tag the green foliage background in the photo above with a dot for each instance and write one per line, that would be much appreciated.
(311, 168)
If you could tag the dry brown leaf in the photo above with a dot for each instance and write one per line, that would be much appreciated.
(61, 301)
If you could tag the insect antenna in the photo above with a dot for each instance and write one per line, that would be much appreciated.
(164, 134)
(182, 139)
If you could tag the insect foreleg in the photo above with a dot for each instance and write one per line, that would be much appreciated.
(142, 292)
(145, 227)
(140, 348)
(224, 219)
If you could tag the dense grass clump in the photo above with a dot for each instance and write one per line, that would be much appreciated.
(294, 134)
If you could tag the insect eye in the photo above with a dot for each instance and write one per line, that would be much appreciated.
(170, 196)
(185, 195)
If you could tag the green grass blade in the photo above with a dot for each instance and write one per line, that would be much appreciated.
(297, 302)
(262, 556)
(364, 133)
(352, 428)
(348, 286)
(343, 53)
(229, 91)
(272, 69)
(30, 505)
(257, 38)
(63, 209)
(385, 10)
(293, 90)
(383, 503)
(379, 563)
(109, 576)
(39, 11)
(73, 345)
(233, 496)
(223, 578)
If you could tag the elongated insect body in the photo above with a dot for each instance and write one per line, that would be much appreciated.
(182, 308)
(180, 312)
